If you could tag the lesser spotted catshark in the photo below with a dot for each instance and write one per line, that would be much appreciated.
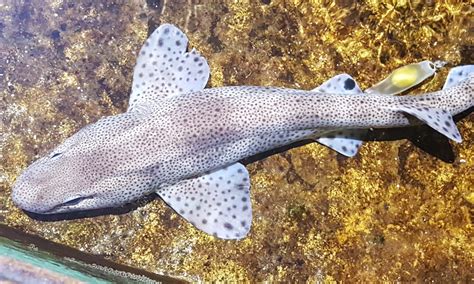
(184, 142)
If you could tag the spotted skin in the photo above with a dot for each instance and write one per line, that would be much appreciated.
(344, 141)
(175, 136)
(217, 202)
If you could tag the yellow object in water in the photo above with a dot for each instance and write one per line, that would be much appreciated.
(405, 76)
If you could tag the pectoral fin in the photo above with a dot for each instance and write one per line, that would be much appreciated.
(217, 203)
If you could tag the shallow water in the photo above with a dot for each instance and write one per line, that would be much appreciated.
(400, 210)
(26, 257)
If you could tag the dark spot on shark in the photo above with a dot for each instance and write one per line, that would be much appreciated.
(55, 35)
(349, 84)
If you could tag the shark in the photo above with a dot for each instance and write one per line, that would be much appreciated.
(185, 142)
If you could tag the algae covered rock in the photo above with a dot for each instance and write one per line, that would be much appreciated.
(399, 210)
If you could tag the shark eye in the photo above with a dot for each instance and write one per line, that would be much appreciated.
(55, 155)
(73, 200)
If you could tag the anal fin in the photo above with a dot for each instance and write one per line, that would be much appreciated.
(217, 203)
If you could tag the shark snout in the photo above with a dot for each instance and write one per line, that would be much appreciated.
(21, 197)
(30, 196)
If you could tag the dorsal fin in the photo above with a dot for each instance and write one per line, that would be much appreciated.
(165, 69)
(339, 84)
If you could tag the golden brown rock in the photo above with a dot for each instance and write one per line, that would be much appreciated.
(392, 213)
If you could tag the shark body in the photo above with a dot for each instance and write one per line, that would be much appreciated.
(184, 142)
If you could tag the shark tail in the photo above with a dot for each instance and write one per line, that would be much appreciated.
(438, 119)
(436, 109)
(348, 141)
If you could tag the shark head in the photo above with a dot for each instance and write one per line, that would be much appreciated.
(56, 182)
(80, 174)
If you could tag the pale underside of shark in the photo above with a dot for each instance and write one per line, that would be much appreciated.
(185, 142)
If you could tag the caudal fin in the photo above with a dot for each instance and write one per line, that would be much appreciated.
(458, 74)
(439, 120)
